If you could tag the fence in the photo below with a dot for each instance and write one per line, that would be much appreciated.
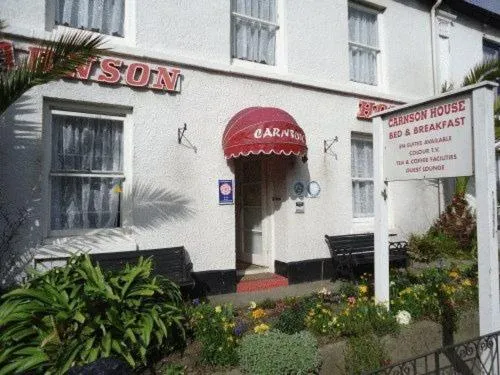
(477, 356)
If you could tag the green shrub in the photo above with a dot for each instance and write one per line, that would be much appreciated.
(433, 245)
(320, 319)
(364, 353)
(349, 289)
(267, 304)
(364, 316)
(215, 329)
(76, 314)
(278, 353)
(291, 319)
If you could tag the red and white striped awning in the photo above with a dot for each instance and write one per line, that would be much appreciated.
(263, 130)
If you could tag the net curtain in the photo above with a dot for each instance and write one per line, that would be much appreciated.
(363, 61)
(85, 145)
(253, 40)
(103, 16)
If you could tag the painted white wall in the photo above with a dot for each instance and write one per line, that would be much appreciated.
(314, 88)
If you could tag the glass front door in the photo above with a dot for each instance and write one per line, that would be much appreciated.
(249, 213)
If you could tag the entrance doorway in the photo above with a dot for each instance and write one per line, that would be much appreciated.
(252, 252)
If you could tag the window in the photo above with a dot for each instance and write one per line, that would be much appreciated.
(363, 44)
(254, 30)
(491, 50)
(362, 176)
(86, 171)
(102, 16)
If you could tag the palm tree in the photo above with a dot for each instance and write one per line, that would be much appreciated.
(458, 220)
(60, 57)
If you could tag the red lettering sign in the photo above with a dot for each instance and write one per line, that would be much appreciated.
(108, 70)
(366, 109)
(7, 54)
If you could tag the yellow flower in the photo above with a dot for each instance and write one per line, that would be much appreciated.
(261, 328)
(453, 274)
(363, 289)
(252, 305)
(467, 282)
(258, 314)
(218, 309)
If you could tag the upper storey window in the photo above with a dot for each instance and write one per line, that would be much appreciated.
(101, 16)
(363, 44)
(254, 30)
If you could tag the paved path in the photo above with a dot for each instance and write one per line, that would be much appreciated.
(242, 299)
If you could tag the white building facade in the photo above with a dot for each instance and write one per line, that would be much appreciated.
(129, 155)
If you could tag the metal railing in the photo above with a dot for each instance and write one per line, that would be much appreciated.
(476, 356)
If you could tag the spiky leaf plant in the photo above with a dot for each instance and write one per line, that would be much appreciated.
(60, 57)
(76, 314)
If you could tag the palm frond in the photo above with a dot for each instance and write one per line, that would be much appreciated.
(488, 70)
(58, 58)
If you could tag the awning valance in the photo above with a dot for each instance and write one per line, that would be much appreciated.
(263, 130)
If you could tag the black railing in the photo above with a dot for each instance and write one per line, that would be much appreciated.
(477, 356)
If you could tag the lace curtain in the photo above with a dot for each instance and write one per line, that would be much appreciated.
(362, 177)
(90, 146)
(103, 16)
(363, 61)
(254, 40)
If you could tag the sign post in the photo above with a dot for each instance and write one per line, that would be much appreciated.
(448, 135)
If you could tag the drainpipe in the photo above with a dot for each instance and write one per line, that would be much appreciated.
(435, 82)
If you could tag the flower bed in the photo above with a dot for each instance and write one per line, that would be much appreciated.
(437, 294)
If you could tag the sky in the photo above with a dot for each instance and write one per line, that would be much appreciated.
(491, 5)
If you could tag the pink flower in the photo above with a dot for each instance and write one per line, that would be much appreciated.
(351, 300)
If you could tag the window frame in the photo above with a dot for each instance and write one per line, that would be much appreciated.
(361, 137)
(129, 24)
(279, 53)
(378, 49)
(91, 111)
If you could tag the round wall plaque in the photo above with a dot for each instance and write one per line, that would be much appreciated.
(313, 189)
(299, 188)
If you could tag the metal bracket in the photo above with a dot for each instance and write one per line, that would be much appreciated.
(327, 145)
(181, 136)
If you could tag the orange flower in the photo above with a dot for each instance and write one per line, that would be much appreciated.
(258, 313)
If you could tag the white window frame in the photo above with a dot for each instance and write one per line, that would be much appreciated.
(90, 111)
(360, 219)
(377, 11)
(280, 51)
(129, 24)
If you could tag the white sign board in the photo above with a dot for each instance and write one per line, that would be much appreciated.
(429, 141)
(442, 136)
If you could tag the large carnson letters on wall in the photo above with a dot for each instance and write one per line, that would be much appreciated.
(108, 70)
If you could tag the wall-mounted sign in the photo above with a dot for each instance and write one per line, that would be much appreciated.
(429, 141)
(107, 70)
(299, 207)
(367, 109)
(226, 192)
(313, 189)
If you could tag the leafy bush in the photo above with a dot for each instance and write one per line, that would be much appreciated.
(433, 245)
(348, 289)
(279, 353)
(76, 314)
(364, 353)
(267, 304)
(291, 319)
(364, 316)
(216, 330)
(320, 319)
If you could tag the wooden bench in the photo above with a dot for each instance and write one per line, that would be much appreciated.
(352, 250)
(172, 263)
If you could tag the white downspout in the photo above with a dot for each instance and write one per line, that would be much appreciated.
(435, 82)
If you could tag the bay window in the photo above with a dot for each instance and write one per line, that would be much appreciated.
(86, 171)
(254, 23)
(362, 176)
(101, 16)
(363, 44)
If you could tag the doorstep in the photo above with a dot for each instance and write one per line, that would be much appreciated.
(260, 281)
